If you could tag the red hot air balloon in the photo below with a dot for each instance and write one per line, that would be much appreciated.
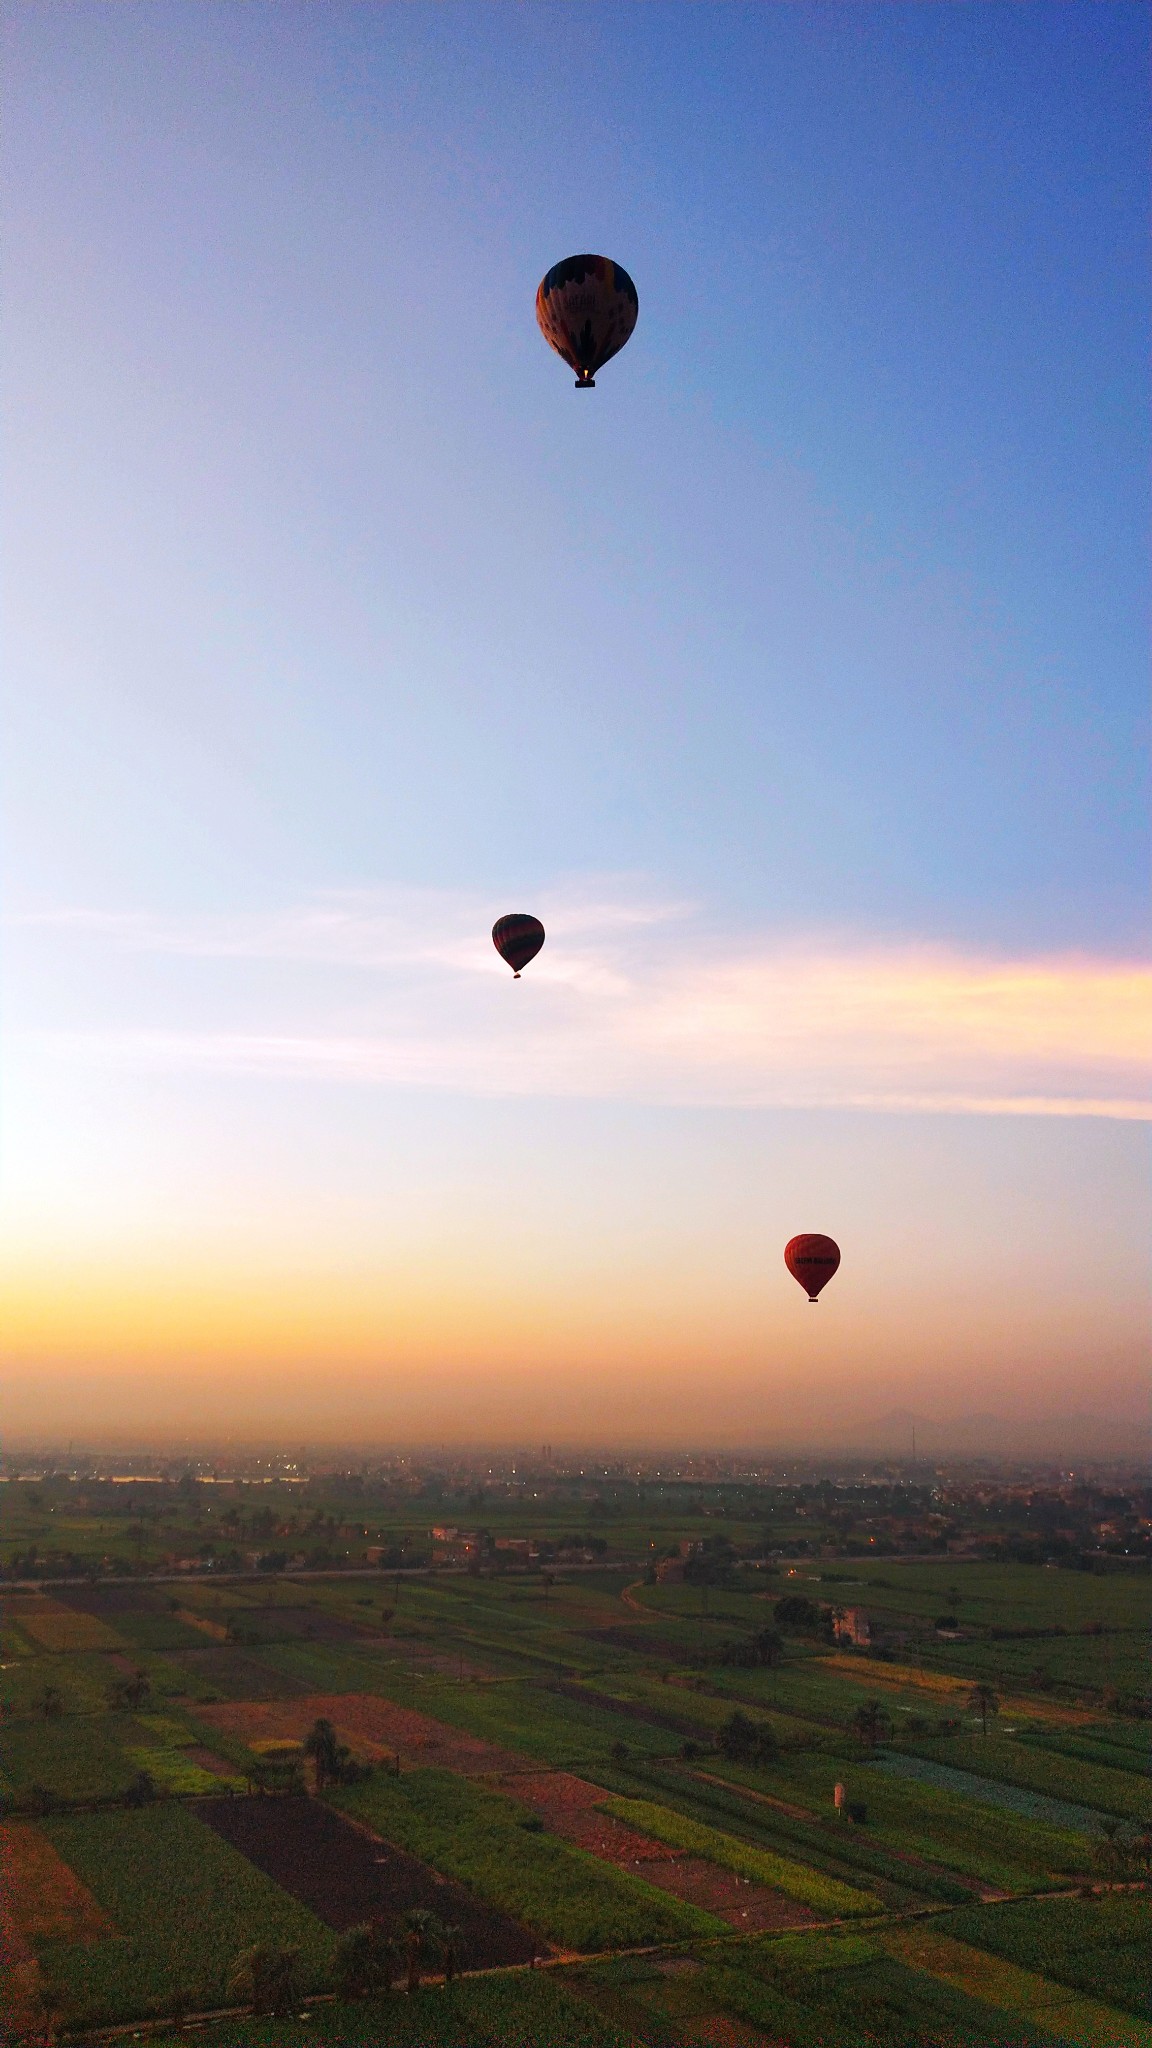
(586, 308)
(517, 939)
(812, 1260)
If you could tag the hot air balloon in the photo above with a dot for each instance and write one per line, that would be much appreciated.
(586, 308)
(517, 939)
(812, 1260)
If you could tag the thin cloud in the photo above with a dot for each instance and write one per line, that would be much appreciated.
(624, 1004)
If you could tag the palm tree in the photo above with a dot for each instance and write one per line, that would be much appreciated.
(365, 1962)
(322, 1746)
(870, 1722)
(451, 1948)
(52, 2008)
(983, 1700)
(424, 1937)
(265, 1977)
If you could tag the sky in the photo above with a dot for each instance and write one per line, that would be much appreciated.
(796, 678)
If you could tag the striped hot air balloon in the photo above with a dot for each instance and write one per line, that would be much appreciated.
(586, 308)
(517, 938)
(812, 1260)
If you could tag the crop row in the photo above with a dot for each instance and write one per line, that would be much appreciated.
(764, 1866)
(1066, 2014)
(185, 1905)
(1101, 1787)
(843, 1853)
(996, 1845)
(1095, 1945)
(482, 1838)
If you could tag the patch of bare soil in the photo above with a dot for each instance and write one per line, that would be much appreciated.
(346, 1875)
(721, 2031)
(373, 1729)
(554, 1793)
(236, 1676)
(570, 1808)
(750, 1907)
(208, 1760)
(283, 1624)
(48, 1901)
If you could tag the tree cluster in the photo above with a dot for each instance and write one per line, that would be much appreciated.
(744, 1741)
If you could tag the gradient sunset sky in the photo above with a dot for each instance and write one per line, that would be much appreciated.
(796, 678)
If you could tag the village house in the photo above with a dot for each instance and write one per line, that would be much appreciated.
(851, 1625)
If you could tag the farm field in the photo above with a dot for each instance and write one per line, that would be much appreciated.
(579, 1812)
(630, 1780)
(578, 1901)
(346, 1877)
(524, 2011)
(184, 1904)
(1099, 1946)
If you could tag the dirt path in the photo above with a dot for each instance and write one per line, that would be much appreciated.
(626, 1593)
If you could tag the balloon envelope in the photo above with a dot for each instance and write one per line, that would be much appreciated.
(812, 1260)
(517, 939)
(586, 308)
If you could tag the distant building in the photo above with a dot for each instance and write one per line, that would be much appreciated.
(852, 1626)
(460, 1546)
(670, 1571)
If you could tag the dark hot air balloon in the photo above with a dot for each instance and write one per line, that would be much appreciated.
(586, 308)
(517, 939)
(812, 1260)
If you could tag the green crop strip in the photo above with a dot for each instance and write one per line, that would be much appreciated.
(1096, 1945)
(185, 1905)
(476, 1835)
(999, 1983)
(795, 1880)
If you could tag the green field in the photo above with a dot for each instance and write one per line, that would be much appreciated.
(1096, 1945)
(184, 1905)
(1103, 1788)
(824, 1894)
(952, 1886)
(534, 2010)
(480, 1837)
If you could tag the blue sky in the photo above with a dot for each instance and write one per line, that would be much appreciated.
(797, 678)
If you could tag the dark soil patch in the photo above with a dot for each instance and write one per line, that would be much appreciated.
(638, 1637)
(374, 1728)
(208, 1760)
(346, 1876)
(298, 1624)
(750, 1908)
(236, 1677)
(571, 1808)
(104, 1600)
(631, 1710)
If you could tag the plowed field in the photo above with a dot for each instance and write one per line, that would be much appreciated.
(373, 1728)
(40, 1898)
(56, 1626)
(49, 1903)
(569, 1807)
(236, 1676)
(347, 1875)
